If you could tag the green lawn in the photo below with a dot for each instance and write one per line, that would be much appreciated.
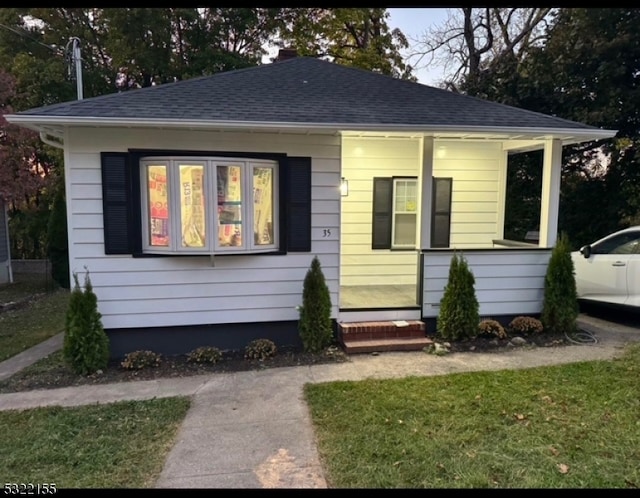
(119, 445)
(29, 325)
(25, 285)
(570, 426)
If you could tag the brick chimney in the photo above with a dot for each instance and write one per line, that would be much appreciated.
(286, 54)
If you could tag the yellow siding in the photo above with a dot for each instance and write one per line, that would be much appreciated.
(362, 160)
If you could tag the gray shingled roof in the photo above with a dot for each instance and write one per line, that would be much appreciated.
(305, 90)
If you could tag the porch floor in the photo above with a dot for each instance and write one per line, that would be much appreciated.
(377, 296)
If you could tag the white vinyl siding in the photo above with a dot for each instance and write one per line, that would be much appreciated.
(362, 160)
(477, 189)
(188, 290)
(507, 281)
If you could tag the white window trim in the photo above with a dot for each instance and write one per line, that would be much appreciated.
(394, 213)
(210, 163)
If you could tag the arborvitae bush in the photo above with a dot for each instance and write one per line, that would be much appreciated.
(73, 324)
(86, 345)
(57, 248)
(560, 306)
(459, 309)
(314, 325)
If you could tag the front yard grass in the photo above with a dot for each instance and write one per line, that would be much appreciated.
(569, 426)
(32, 323)
(119, 445)
(25, 285)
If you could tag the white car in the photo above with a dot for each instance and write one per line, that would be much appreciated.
(608, 270)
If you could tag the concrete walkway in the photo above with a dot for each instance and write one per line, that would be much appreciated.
(252, 429)
(22, 360)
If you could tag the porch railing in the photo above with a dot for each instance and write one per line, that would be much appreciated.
(508, 281)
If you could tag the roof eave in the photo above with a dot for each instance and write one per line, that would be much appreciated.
(41, 123)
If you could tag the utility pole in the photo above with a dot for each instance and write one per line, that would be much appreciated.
(76, 60)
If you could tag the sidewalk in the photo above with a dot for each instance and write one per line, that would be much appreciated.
(252, 429)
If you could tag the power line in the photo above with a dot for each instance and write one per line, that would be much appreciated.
(24, 34)
(72, 55)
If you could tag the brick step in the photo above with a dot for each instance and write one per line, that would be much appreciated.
(381, 345)
(368, 331)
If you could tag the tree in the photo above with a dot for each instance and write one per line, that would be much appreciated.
(595, 56)
(476, 42)
(121, 49)
(352, 37)
(560, 305)
(25, 165)
(86, 345)
(129, 48)
(58, 249)
(27, 179)
(459, 309)
(314, 325)
(587, 70)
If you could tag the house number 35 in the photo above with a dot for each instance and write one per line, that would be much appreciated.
(326, 232)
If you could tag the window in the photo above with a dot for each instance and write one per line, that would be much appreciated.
(274, 204)
(208, 204)
(404, 220)
(395, 205)
(624, 243)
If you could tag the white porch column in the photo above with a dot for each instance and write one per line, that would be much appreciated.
(550, 199)
(424, 193)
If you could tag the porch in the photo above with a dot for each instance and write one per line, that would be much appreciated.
(411, 201)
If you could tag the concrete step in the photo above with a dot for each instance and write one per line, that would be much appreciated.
(381, 345)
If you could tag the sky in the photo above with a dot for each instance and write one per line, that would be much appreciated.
(413, 23)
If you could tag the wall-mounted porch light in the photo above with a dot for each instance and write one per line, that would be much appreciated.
(344, 187)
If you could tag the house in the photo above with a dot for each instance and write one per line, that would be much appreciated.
(197, 206)
(5, 252)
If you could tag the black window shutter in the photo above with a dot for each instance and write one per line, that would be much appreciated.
(382, 207)
(441, 212)
(298, 204)
(116, 209)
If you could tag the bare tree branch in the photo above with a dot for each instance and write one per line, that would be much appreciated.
(470, 39)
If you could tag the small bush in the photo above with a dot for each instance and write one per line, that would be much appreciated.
(205, 354)
(491, 328)
(260, 349)
(314, 325)
(560, 308)
(137, 360)
(525, 325)
(459, 309)
(86, 345)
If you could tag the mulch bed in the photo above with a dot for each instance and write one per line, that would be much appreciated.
(177, 366)
(59, 375)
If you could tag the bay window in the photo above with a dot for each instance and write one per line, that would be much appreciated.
(209, 205)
